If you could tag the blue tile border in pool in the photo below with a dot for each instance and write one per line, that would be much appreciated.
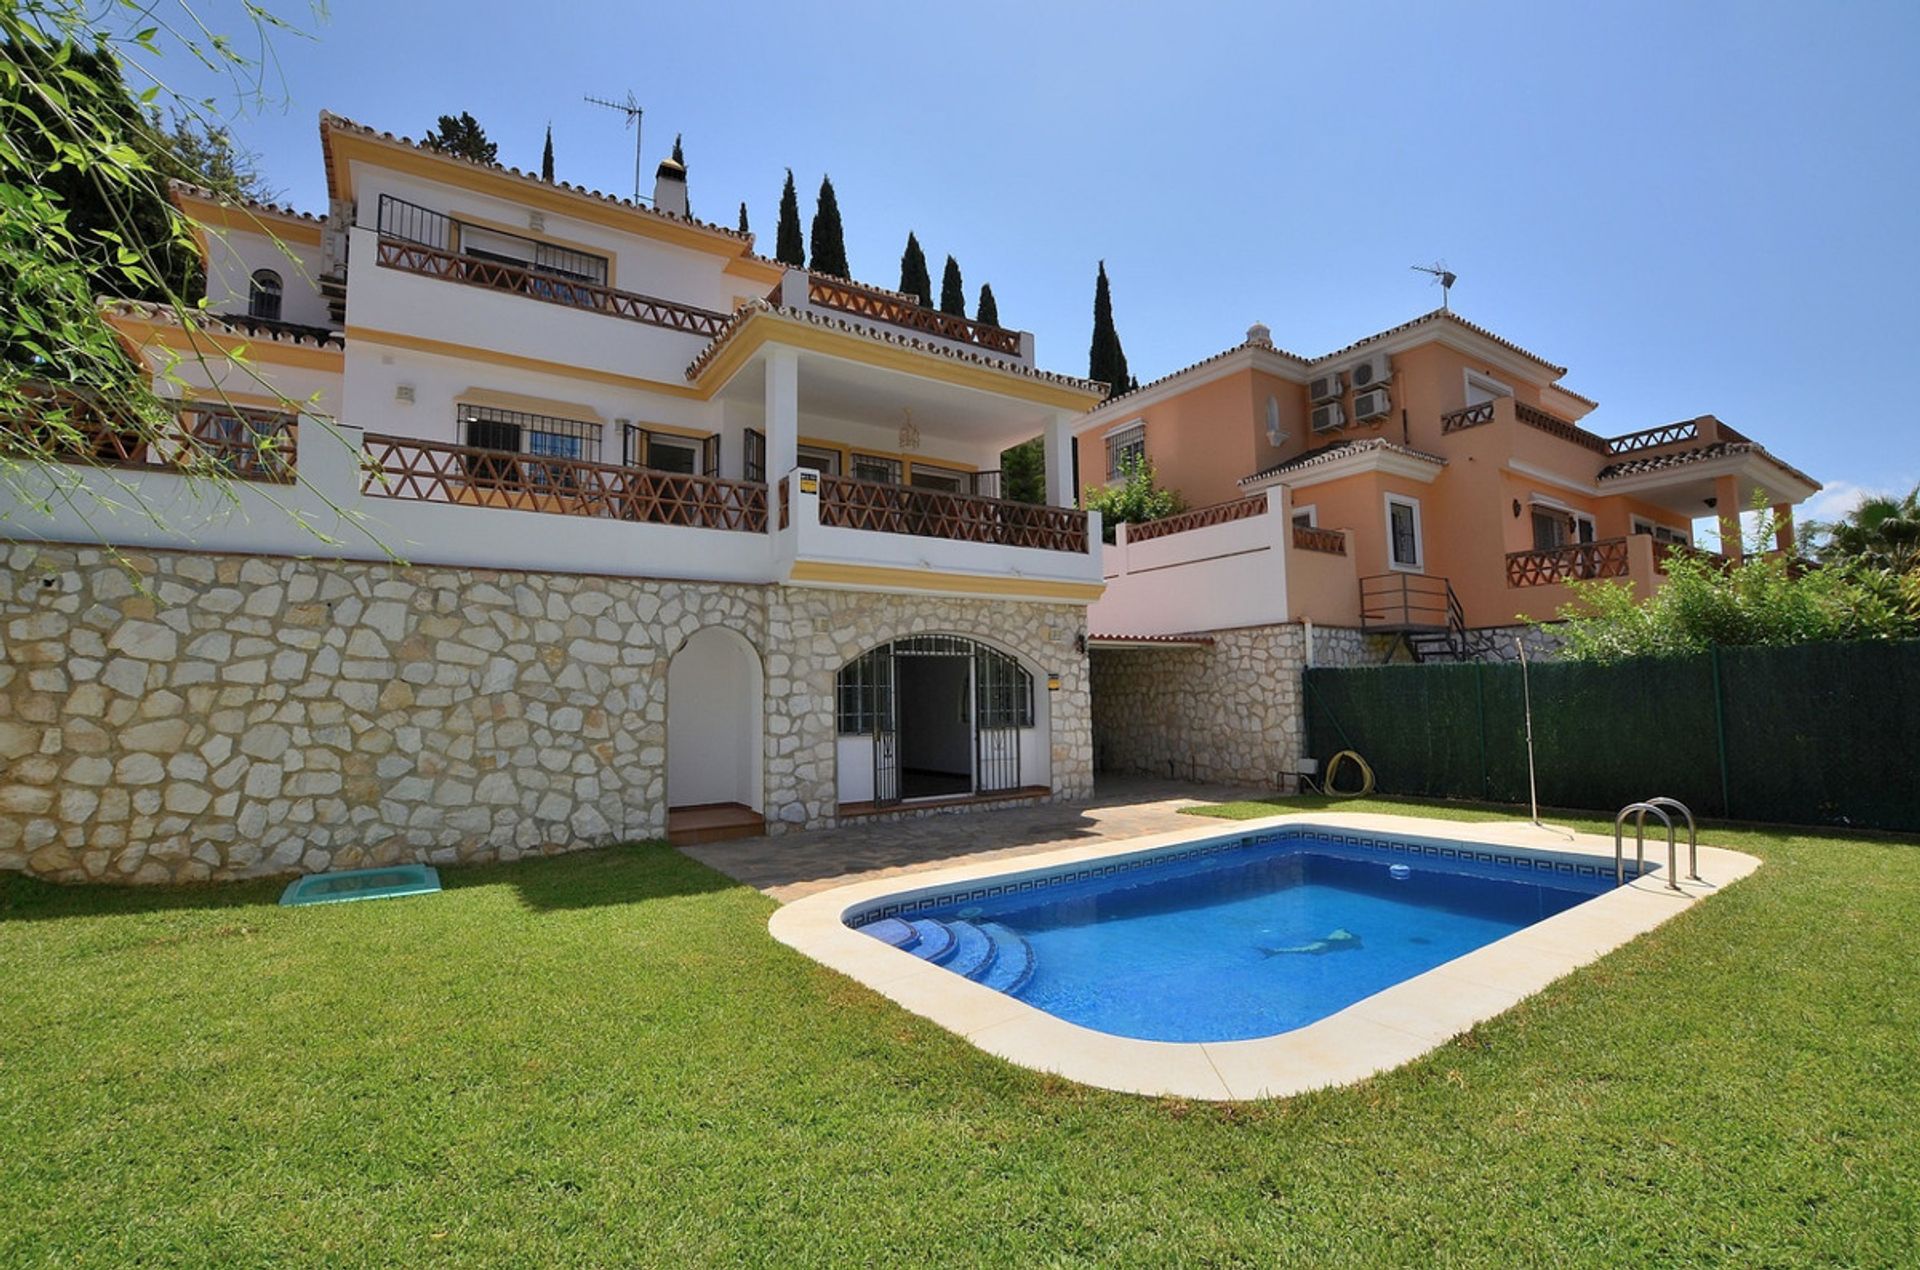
(1531, 862)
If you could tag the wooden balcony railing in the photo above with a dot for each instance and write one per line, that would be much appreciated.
(1578, 561)
(1484, 412)
(847, 503)
(554, 288)
(235, 441)
(434, 472)
(1198, 518)
(1314, 538)
(1652, 438)
(1469, 417)
(850, 297)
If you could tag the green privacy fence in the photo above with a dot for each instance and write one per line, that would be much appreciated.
(1821, 734)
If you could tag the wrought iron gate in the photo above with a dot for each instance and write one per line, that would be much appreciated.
(886, 731)
(1002, 701)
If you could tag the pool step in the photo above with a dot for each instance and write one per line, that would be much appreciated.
(973, 951)
(935, 943)
(1012, 962)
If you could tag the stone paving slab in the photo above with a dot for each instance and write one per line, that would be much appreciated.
(797, 864)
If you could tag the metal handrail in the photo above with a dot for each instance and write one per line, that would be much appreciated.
(1693, 836)
(1641, 811)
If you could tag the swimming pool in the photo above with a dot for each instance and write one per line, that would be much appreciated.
(1276, 957)
(1236, 938)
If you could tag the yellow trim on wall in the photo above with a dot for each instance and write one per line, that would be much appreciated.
(143, 332)
(865, 575)
(262, 400)
(345, 145)
(468, 352)
(763, 328)
(549, 406)
(674, 430)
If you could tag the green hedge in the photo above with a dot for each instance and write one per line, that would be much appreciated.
(1816, 734)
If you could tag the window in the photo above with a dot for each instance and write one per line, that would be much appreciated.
(926, 476)
(1307, 517)
(1481, 388)
(864, 692)
(673, 454)
(263, 295)
(1583, 531)
(1660, 532)
(820, 459)
(1003, 690)
(754, 466)
(1403, 534)
(872, 467)
(494, 429)
(1549, 529)
(1125, 448)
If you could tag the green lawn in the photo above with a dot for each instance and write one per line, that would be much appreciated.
(603, 1058)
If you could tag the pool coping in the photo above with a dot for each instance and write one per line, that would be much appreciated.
(1390, 1028)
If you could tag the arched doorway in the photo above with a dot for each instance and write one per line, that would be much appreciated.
(715, 732)
(938, 716)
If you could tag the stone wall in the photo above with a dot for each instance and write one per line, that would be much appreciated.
(182, 717)
(1227, 713)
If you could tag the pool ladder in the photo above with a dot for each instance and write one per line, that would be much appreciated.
(1640, 811)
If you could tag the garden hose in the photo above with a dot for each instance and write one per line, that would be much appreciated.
(1366, 773)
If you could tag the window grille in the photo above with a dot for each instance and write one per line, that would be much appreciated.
(1124, 449)
(263, 295)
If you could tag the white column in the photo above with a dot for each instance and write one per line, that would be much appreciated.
(783, 421)
(1059, 449)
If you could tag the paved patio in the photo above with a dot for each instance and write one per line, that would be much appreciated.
(797, 864)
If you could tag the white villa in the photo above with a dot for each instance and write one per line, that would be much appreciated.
(692, 540)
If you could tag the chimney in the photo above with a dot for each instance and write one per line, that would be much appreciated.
(670, 188)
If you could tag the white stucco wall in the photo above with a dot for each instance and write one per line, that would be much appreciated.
(1227, 575)
(233, 255)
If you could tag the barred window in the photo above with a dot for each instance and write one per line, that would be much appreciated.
(1002, 689)
(518, 432)
(1125, 448)
(865, 692)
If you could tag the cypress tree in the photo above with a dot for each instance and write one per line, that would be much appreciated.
(678, 157)
(546, 158)
(462, 135)
(953, 292)
(828, 241)
(1023, 472)
(1106, 361)
(789, 248)
(743, 219)
(987, 310)
(914, 278)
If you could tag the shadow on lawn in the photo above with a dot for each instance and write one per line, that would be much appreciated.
(631, 873)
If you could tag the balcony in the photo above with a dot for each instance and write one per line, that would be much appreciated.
(418, 240)
(1504, 408)
(435, 472)
(894, 309)
(205, 438)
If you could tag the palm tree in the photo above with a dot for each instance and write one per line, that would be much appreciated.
(1883, 531)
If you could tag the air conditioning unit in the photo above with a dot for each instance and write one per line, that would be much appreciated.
(1326, 387)
(1328, 417)
(1371, 372)
(1371, 405)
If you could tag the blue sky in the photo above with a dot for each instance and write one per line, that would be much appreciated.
(1695, 207)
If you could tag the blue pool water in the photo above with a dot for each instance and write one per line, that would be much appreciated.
(1246, 938)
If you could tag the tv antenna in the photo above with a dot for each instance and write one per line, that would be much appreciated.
(631, 109)
(1442, 275)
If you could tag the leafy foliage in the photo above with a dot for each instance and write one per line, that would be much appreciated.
(1763, 600)
(953, 292)
(827, 242)
(1136, 498)
(84, 212)
(789, 246)
(1106, 360)
(1883, 532)
(462, 135)
(1023, 471)
(914, 278)
(988, 310)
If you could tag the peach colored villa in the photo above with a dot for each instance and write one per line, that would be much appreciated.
(1432, 480)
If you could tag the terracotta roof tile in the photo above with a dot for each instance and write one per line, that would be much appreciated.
(1681, 458)
(330, 122)
(234, 323)
(252, 204)
(1340, 450)
(1174, 641)
(754, 308)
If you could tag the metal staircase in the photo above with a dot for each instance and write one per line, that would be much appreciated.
(1424, 613)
